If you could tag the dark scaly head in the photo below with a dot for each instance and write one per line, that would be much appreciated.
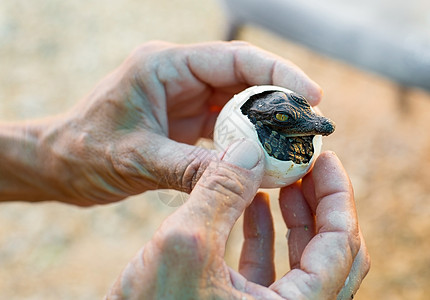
(286, 125)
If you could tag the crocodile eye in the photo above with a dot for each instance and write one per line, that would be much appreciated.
(281, 117)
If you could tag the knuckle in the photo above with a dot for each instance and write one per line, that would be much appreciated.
(149, 47)
(222, 180)
(194, 168)
(144, 58)
(348, 243)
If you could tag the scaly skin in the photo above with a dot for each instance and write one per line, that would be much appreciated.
(286, 125)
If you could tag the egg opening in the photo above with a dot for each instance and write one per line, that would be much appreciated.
(287, 128)
(286, 125)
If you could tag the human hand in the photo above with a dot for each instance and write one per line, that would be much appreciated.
(135, 131)
(328, 256)
(185, 258)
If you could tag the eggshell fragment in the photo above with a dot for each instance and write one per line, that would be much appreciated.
(232, 125)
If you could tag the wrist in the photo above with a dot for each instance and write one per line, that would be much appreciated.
(23, 159)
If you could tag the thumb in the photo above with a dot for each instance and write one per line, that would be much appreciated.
(226, 188)
(165, 163)
(156, 161)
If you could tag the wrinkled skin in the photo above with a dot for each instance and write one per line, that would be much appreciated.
(135, 130)
(298, 118)
(286, 125)
(187, 261)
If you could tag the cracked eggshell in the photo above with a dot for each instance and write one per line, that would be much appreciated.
(232, 125)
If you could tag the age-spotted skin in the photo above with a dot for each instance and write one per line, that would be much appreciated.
(286, 125)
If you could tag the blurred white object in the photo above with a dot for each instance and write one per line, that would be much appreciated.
(391, 38)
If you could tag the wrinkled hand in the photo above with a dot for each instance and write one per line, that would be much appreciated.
(327, 252)
(185, 258)
(135, 130)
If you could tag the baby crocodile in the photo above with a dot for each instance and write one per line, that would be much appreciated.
(286, 125)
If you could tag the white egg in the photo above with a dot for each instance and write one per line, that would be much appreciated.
(232, 125)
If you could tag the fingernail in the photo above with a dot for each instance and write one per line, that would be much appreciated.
(243, 153)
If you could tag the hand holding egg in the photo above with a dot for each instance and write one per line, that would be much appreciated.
(282, 122)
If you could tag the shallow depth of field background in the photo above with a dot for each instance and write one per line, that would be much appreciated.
(53, 52)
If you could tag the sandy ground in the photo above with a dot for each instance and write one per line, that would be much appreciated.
(53, 52)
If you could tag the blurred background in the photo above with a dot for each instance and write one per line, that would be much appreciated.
(53, 52)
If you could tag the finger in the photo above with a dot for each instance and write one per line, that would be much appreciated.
(227, 64)
(299, 219)
(257, 257)
(151, 161)
(221, 195)
(359, 270)
(327, 259)
(240, 283)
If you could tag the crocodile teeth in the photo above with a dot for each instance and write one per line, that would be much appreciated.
(282, 147)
